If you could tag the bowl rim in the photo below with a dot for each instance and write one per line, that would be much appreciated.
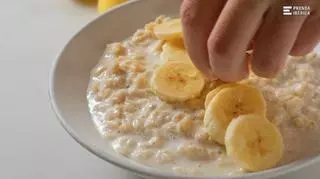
(150, 171)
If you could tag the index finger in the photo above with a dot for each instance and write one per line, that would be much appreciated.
(198, 19)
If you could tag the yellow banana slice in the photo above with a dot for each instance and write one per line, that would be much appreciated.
(179, 43)
(254, 142)
(169, 30)
(174, 53)
(213, 93)
(177, 81)
(228, 104)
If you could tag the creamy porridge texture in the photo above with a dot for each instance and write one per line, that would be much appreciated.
(171, 135)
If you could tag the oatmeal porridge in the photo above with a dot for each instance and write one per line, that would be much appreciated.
(148, 125)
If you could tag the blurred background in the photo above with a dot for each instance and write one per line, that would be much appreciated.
(33, 145)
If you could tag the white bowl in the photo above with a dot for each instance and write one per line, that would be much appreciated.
(70, 76)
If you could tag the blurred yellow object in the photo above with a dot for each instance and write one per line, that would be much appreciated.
(104, 5)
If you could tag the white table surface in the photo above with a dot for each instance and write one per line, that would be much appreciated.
(33, 145)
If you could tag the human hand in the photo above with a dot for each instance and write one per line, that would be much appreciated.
(218, 32)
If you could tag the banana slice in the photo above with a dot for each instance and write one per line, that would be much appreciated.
(174, 53)
(169, 30)
(213, 93)
(228, 104)
(179, 43)
(254, 142)
(177, 81)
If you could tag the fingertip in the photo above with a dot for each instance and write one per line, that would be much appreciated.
(210, 77)
(205, 70)
(264, 67)
(232, 71)
(300, 50)
(198, 19)
(263, 73)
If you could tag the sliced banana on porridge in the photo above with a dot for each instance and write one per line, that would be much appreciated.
(213, 93)
(228, 104)
(169, 30)
(173, 53)
(177, 81)
(254, 142)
